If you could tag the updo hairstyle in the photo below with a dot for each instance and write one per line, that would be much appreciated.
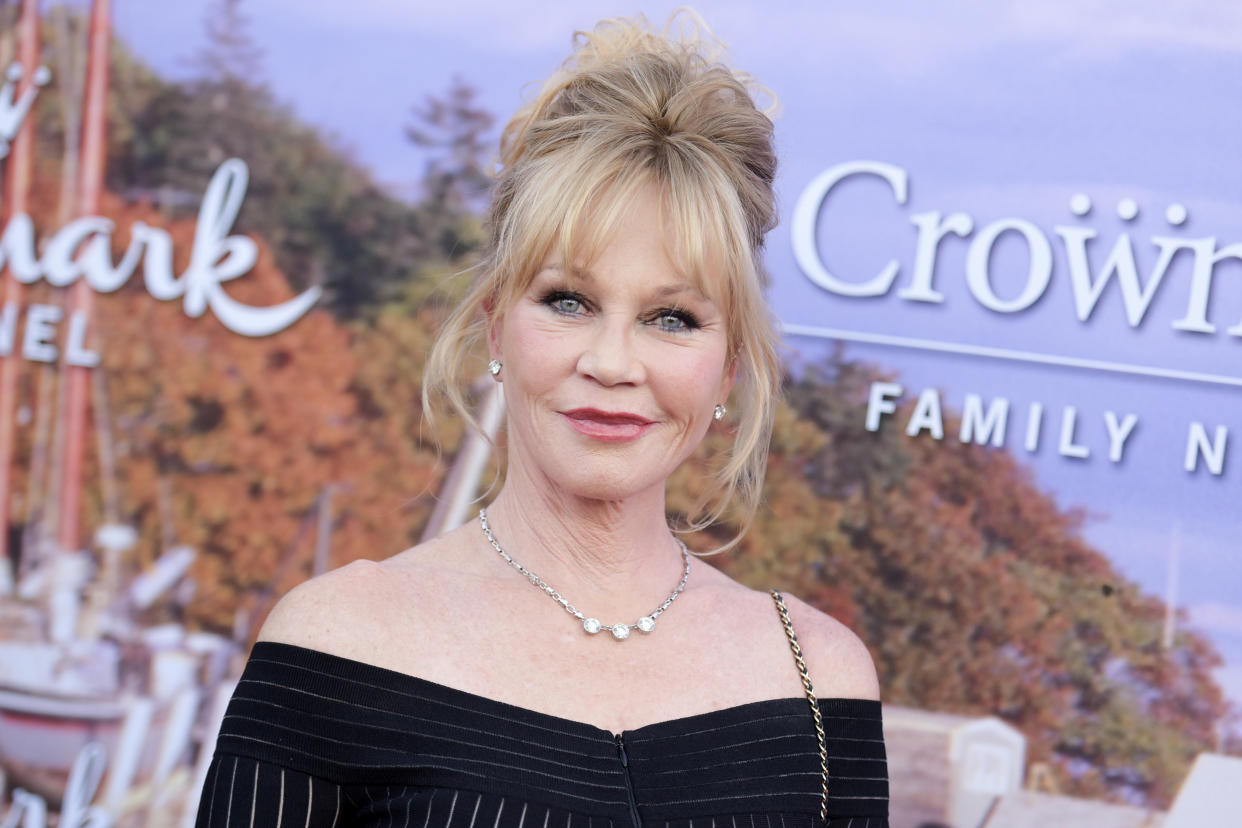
(632, 108)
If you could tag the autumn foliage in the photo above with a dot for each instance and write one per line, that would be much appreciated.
(230, 444)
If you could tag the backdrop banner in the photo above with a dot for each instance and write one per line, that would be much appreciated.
(1009, 277)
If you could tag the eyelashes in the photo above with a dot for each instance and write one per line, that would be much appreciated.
(669, 320)
(563, 301)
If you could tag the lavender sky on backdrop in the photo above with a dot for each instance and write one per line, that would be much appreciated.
(998, 110)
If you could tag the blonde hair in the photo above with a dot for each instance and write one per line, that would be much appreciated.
(629, 109)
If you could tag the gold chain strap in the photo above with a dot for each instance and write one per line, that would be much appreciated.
(810, 696)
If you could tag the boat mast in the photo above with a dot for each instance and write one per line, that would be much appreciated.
(16, 200)
(47, 443)
(76, 377)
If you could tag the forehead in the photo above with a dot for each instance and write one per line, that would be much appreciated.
(636, 231)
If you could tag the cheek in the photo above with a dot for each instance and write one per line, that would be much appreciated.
(538, 355)
(690, 382)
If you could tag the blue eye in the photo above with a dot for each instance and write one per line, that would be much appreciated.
(675, 321)
(564, 302)
(568, 304)
(672, 322)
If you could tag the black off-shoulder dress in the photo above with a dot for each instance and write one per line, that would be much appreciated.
(312, 740)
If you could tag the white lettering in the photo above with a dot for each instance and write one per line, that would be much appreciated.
(1213, 452)
(1118, 433)
(1206, 257)
(931, 231)
(17, 247)
(14, 111)
(8, 328)
(40, 328)
(987, 424)
(1034, 423)
(1088, 286)
(215, 257)
(1136, 297)
(75, 344)
(981, 428)
(880, 402)
(60, 268)
(978, 260)
(1069, 423)
(927, 415)
(157, 266)
(806, 216)
(96, 262)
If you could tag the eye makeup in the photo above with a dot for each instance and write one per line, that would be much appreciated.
(571, 303)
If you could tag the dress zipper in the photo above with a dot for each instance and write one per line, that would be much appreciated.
(629, 784)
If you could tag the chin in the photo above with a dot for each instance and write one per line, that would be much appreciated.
(610, 480)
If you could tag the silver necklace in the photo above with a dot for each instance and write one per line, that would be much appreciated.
(592, 625)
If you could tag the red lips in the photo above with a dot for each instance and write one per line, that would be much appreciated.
(609, 426)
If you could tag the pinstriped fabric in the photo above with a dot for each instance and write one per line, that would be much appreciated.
(732, 759)
(314, 740)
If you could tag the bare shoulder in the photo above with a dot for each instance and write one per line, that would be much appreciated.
(359, 610)
(838, 661)
(326, 612)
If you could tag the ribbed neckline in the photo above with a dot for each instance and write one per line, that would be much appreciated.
(343, 667)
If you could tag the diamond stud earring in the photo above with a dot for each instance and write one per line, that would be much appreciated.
(719, 413)
(493, 368)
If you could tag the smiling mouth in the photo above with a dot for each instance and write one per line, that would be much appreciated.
(610, 426)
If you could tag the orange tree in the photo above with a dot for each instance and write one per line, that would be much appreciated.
(231, 444)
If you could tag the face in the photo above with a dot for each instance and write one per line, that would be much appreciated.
(612, 370)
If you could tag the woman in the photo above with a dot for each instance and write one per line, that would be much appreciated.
(621, 306)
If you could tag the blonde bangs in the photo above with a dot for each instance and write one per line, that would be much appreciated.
(570, 208)
(701, 238)
(710, 239)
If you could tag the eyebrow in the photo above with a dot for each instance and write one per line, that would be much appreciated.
(674, 289)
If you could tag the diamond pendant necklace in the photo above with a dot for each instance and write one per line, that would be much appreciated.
(592, 625)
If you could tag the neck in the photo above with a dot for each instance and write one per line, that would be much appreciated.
(614, 560)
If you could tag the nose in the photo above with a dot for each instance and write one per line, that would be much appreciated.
(609, 356)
